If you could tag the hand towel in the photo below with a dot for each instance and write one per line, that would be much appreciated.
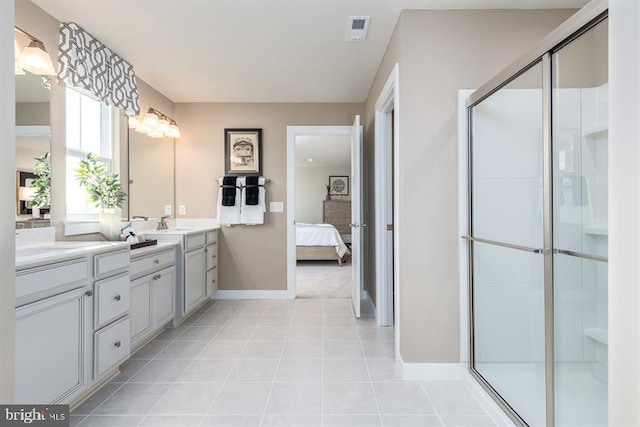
(252, 185)
(253, 214)
(229, 188)
(228, 215)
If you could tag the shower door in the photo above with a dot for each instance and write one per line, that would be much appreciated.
(508, 237)
(538, 143)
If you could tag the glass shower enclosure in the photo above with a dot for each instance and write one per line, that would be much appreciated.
(538, 230)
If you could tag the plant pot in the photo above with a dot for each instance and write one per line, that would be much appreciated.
(110, 224)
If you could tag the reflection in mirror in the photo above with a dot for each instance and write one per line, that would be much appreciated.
(151, 175)
(33, 137)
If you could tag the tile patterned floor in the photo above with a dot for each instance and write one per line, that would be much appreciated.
(304, 362)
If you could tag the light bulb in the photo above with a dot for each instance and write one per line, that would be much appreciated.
(173, 131)
(134, 122)
(163, 125)
(150, 120)
(36, 60)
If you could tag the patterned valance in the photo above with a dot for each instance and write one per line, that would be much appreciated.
(87, 64)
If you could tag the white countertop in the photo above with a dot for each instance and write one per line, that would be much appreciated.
(42, 253)
(153, 248)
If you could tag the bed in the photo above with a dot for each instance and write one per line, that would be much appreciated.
(320, 242)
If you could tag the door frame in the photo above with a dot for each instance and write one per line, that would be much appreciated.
(387, 147)
(292, 133)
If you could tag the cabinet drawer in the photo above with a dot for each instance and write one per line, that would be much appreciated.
(111, 346)
(212, 282)
(41, 281)
(194, 241)
(112, 299)
(112, 261)
(212, 256)
(152, 262)
(211, 237)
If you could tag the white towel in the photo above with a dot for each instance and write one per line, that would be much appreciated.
(228, 215)
(253, 214)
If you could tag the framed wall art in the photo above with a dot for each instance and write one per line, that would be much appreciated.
(338, 186)
(243, 151)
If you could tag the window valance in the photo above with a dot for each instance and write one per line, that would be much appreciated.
(88, 64)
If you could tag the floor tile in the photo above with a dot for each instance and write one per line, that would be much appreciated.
(234, 333)
(452, 399)
(241, 398)
(207, 370)
(411, 421)
(172, 420)
(339, 320)
(150, 350)
(297, 332)
(212, 320)
(130, 368)
(306, 320)
(467, 421)
(384, 370)
(299, 370)
(133, 399)
(238, 320)
(199, 333)
(89, 405)
(340, 332)
(161, 371)
(263, 333)
(351, 421)
(375, 333)
(345, 370)
(253, 370)
(263, 349)
(232, 420)
(187, 398)
(182, 350)
(223, 349)
(276, 320)
(75, 420)
(378, 349)
(338, 311)
(278, 310)
(112, 421)
(287, 398)
(302, 349)
(348, 398)
(169, 334)
(402, 398)
(342, 349)
(279, 420)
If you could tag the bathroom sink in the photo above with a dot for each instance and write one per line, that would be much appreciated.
(37, 251)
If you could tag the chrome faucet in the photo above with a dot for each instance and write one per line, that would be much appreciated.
(146, 218)
(162, 225)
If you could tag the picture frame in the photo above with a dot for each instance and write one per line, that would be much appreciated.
(24, 181)
(338, 185)
(243, 152)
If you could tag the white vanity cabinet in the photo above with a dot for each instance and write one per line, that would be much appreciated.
(153, 275)
(211, 253)
(111, 342)
(51, 344)
(193, 267)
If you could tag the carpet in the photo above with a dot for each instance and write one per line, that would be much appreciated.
(323, 279)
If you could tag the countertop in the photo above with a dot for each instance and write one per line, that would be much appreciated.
(135, 253)
(43, 253)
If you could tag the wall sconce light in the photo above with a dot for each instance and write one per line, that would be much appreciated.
(33, 58)
(155, 124)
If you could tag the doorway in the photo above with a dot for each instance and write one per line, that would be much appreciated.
(298, 134)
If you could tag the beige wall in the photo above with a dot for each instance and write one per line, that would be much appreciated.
(311, 190)
(251, 257)
(7, 203)
(32, 114)
(439, 53)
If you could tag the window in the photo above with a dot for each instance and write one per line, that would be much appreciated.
(90, 129)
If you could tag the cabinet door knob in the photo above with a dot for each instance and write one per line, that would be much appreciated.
(88, 293)
(157, 277)
(156, 261)
(117, 297)
(117, 344)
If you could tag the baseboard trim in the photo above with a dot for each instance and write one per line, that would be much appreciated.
(488, 404)
(254, 295)
(431, 372)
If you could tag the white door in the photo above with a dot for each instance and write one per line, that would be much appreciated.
(356, 213)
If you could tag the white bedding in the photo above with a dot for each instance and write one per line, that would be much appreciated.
(320, 235)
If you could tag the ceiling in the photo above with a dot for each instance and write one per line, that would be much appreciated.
(323, 150)
(254, 50)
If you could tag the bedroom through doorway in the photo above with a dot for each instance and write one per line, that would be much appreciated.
(323, 216)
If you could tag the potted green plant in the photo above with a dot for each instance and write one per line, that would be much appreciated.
(42, 184)
(105, 191)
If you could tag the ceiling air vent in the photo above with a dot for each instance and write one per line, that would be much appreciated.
(357, 29)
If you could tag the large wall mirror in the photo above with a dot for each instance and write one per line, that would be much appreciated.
(151, 175)
(33, 138)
